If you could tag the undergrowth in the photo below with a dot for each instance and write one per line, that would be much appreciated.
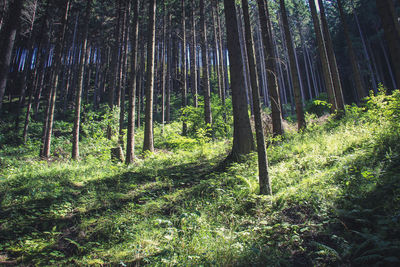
(336, 197)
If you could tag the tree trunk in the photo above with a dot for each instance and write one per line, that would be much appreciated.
(301, 123)
(273, 89)
(130, 139)
(243, 142)
(390, 26)
(48, 126)
(332, 59)
(9, 33)
(265, 184)
(183, 66)
(148, 144)
(324, 57)
(78, 95)
(193, 59)
(206, 81)
(353, 59)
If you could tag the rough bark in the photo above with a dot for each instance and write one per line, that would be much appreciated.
(273, 89)
(206, 79)
(324, 57)
(264, 181)
(243, 142)
(9, 32)
(130, 139)
(148, 144)
(301, 123)
(78, 95)
(337, 86)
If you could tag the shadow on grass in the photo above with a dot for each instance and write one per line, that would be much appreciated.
(65, 204)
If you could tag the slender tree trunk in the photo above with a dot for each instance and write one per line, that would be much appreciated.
(48, 129)
(243, 142)
(130, 139)
(148, 144)
(301, 123)
(353, 59)
(391, 28)
(78, 95)
(193, 59)
(220, 54)
(332, 59)
(215, 32)
(324, 57)
(9, 32)
(264, 181)
(273, 89)
(184, 81)
(204, 54)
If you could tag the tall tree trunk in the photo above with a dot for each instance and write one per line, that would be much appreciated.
(391, 27)
(215, 32)
(78, 95)
(324, 57)
(273, 89)
(353, 59)
(148, 144)
(183, 65)
(206, 80)
(265, 184)
(48, 126)
(170, 72)
(243, 142)
(130, 139)
(220, 53)
(193, 59)
(332, 59)
(301, 123)
(9, 32)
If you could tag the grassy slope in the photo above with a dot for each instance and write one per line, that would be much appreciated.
(336, 200)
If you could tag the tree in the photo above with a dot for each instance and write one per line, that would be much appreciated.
(301, 123)
(8, 35)
(183, 65)
(265, 184)
(148, 144)
(337, 86)
(391, 29)
(274, 96)
(243, 142)
(78, 95)
(324, 57)
(48, 124)
(204, 56)
(353, 59)
(130, 139)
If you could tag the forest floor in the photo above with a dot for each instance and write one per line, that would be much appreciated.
(336, 198)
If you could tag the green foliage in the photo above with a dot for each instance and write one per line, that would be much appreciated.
(336, 196)
(318, 106)
(221, 116)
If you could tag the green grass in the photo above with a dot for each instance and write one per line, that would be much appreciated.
(336, 198)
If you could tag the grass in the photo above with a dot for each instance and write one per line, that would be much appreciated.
(336, 198)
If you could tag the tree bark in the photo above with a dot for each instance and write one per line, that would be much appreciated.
(78, 95)
(48, 125)
(148, 144)
(206, 80)
(273, 89)
(324, 57)
(243, 142)
(332, 59)
(264, 181)
(301, 123)
(9, 33)
(130, 139)
(390, 26)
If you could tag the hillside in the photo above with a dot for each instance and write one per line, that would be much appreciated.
(336, 198)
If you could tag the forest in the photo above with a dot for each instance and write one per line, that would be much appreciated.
(199, 133)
